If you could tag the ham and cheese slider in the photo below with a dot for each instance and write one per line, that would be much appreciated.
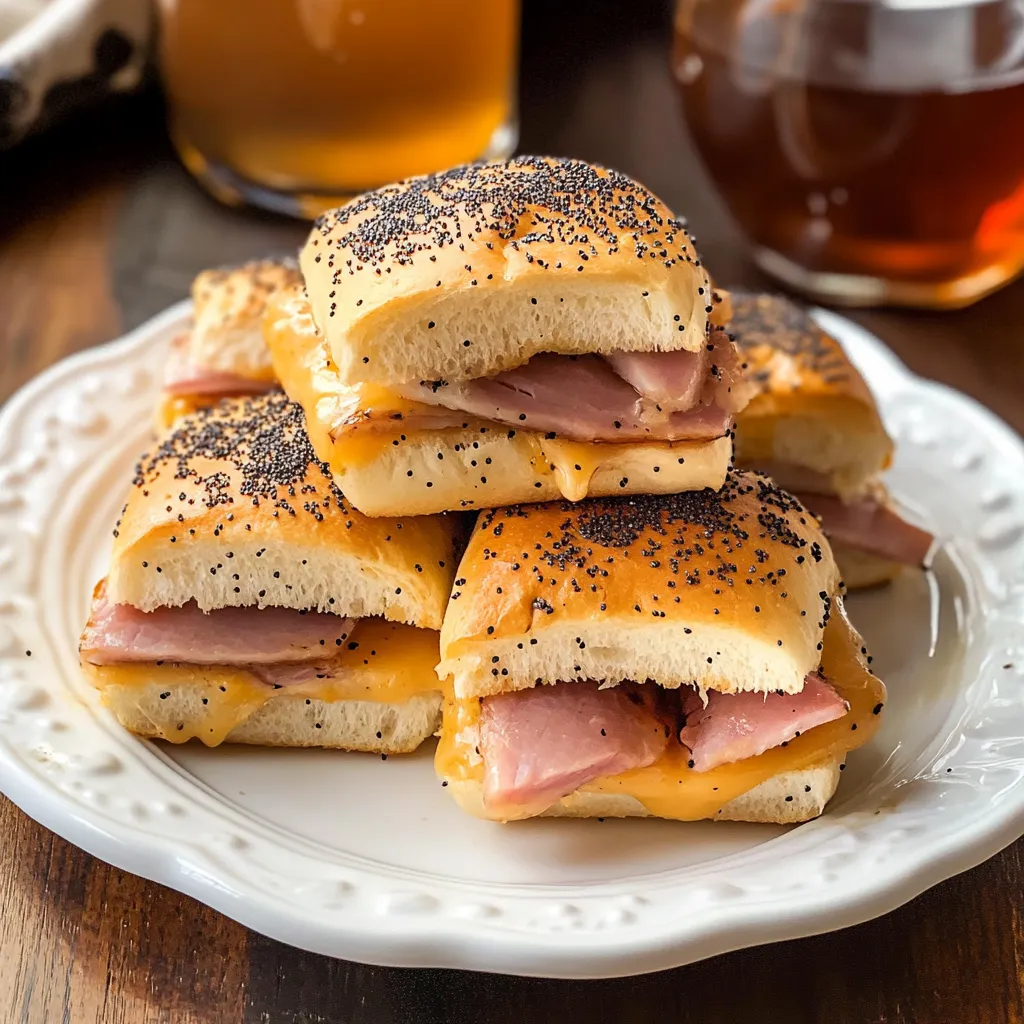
(814, 427)
(247, 601)
(685, 656)
(223, 353)
(507, 332)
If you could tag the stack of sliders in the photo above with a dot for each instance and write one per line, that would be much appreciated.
(684, 656)
(813, 426)
(503, 333)
(659, 639)
(633, 630)
(223, 352)
(248, 601)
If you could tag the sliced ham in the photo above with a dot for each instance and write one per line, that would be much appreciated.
(354, 415)
(735, 726)
(675, 380)
(295, 673)
(215, 384)
(119, 633)
(870, 526)
(580, 397)
(790, 476)
(727, 385)
(542, 744)
(184, 377)
(679, 381)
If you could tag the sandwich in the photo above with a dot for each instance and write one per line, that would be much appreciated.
(247, 601)
(223, 353)
(507, 332)
(814, 427)
(683, 656)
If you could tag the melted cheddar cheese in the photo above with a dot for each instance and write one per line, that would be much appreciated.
(382, 661)
(215, 699)
(353, 426)
(172, 408)
(387, 662)
(669, 788)
(573, 463)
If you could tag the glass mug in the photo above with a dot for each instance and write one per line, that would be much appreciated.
(295, 105)
(871, 150)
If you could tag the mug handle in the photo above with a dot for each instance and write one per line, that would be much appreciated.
(1014, 54)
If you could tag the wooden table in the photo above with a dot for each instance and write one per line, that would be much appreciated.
(99, 229)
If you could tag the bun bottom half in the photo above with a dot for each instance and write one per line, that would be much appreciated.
(465, 470)
(785, 799)
(187, 702)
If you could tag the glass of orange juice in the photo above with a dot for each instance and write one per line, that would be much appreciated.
(294, 105)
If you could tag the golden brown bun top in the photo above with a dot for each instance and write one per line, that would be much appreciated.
(228, 307)
(241, 479)
(476, 231)
(812, 423)
(235, 294)
(748, 560)
(790, 357)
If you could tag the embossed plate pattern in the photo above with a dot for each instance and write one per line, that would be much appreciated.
(357, 858)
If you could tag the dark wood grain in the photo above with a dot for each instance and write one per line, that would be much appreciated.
(911, 966)
(99, 229)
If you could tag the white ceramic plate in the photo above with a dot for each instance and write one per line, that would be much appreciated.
(369, 860)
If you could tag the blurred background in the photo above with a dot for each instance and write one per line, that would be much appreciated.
(867, 152)
(862, 152)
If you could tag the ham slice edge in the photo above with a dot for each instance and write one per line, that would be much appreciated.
(870, 526)
(183, 377)
(656, 396)
(119, 633)
(734, 726)
(542, 744)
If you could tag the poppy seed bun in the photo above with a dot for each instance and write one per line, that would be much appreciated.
(730, 591)
(233, 509)
(673, 786)
(228, 309)
(472, 271)
(813, 422)
(285, 720)
(468, 470)
(405, 471)
(225, 338)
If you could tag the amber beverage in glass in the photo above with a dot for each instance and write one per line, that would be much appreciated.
(873, 152)
(297, 104)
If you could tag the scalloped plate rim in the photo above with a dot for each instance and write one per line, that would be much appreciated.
(422, 942)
